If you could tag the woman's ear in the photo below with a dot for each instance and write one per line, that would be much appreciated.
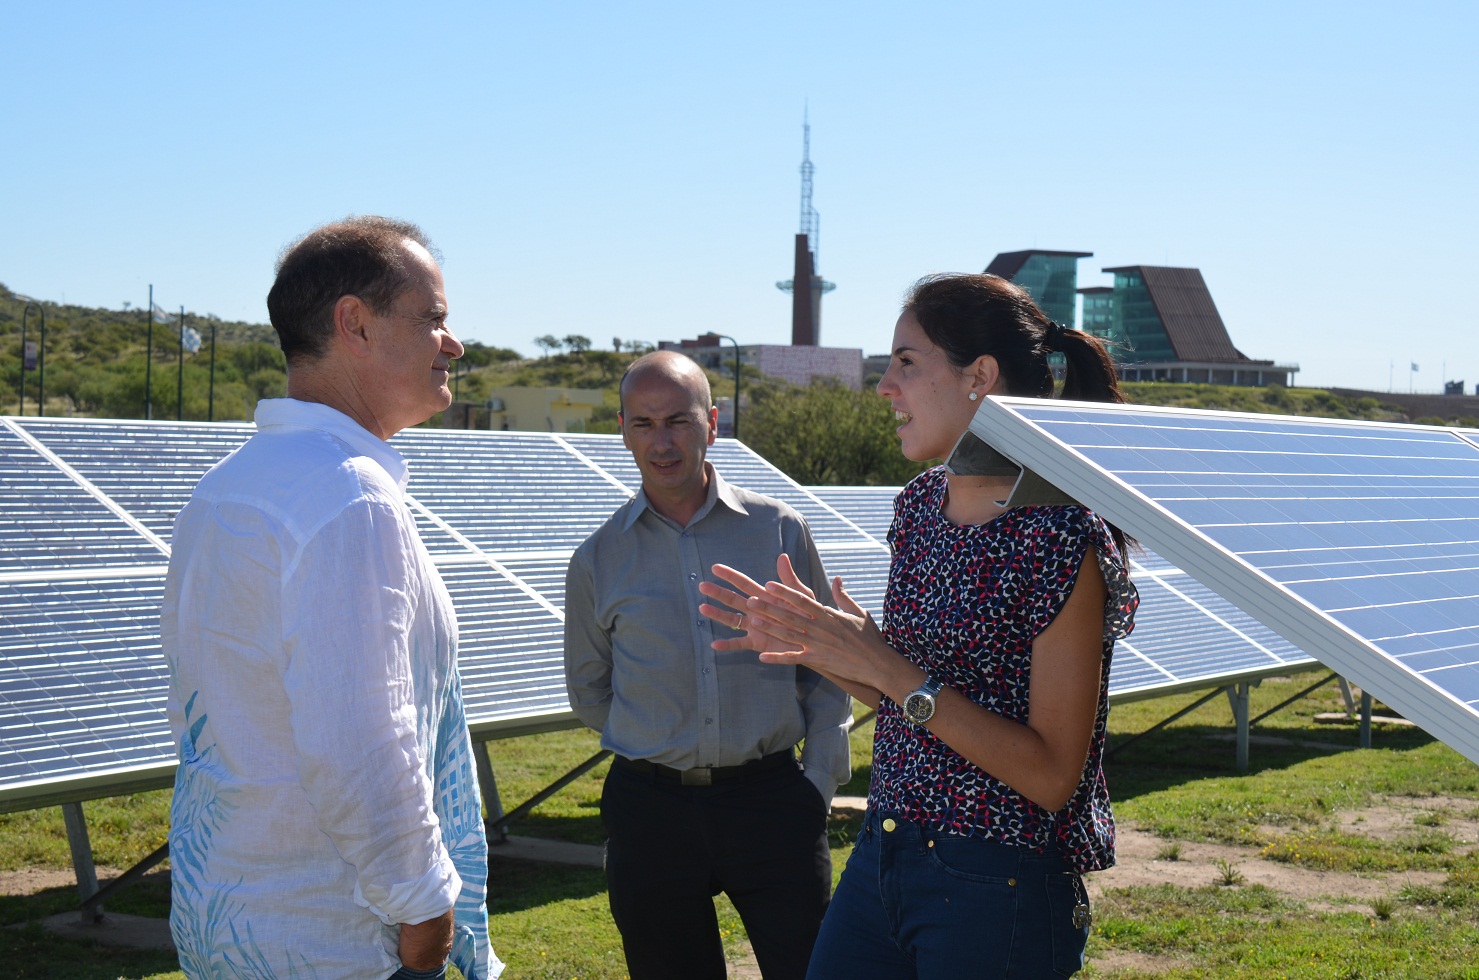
(985, 375)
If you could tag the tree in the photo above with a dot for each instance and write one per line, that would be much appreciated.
(547, 342)
(476, 354)
(826, 434)
(578, 344)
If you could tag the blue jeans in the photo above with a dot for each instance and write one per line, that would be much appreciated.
(918, 904)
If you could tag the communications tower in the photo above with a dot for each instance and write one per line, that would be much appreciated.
(806, 303)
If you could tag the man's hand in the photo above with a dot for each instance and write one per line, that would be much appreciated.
(426, 945)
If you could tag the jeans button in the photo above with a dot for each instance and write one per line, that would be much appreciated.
(889, 825)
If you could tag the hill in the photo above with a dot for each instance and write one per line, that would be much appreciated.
(95, 366)
(95, 363)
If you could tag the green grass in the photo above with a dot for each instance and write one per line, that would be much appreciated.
(1180, 783)
(1252, 932)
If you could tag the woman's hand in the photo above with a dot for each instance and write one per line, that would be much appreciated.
(732, 610)
(784, 621)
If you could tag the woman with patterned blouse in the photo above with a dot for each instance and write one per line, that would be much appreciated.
(990, 673)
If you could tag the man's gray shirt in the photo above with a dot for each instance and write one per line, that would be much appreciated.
(639, 664)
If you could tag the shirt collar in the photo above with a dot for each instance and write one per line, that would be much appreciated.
(719, 492)
(292, 413)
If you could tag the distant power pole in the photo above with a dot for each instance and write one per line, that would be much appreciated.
(806, 303)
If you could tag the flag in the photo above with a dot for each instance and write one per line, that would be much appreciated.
(190, 339)
(1414, 365)
(161, 315)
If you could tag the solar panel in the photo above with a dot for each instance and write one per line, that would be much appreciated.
(82, 684)
(149, 469)
(50, 522)
(1185, 637)
(1356, 541)
(86, 508)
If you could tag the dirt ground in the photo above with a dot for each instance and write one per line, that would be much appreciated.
(1138, 863)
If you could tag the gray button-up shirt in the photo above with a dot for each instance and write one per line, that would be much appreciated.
(639, 663)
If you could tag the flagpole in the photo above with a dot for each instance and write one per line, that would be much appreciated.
(180, 384)
(149, 361)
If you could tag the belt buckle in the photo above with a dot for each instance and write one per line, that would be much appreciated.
(702, 776)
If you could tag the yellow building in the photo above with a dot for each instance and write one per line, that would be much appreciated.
(542, 409)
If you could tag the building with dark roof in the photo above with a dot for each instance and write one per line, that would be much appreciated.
(1050, 278)
(1165, 327)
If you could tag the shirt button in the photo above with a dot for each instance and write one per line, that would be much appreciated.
(706, 670)
(708, 721)
(692, 576)
(889, 825)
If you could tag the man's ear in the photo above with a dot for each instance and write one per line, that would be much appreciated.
(352, 321)
(713, 423)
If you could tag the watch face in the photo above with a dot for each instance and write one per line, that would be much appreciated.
(919, 707)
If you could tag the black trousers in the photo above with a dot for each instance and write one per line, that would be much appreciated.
(761, 840)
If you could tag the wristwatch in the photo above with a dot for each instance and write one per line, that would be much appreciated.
(919, 706)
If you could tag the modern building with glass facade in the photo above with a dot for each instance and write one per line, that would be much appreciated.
(1163, 326)
(1050, 278)
(1097, 314)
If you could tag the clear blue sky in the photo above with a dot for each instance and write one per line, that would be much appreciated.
(630, 169)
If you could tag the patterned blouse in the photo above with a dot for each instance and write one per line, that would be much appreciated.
(965, 604)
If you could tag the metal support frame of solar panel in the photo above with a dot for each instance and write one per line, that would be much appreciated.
(1356, 541)
(92, 505)
(1186, 637)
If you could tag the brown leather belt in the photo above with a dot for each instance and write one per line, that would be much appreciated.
(708, 775)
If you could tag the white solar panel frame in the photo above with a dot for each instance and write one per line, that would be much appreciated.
(1016, 428)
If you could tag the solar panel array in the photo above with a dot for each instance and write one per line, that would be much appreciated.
(1356, 541)
(86, 508)
(85, 518)
(1185, 637)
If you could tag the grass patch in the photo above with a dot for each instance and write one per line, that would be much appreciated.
(123, 829)
(550, 921)
(1252, 932)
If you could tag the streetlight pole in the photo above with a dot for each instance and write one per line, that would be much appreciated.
(210, 414)
(40, 360)
(180, 378)
(735, 427)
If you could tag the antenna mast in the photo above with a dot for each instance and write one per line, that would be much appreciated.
(810, 220)
(805, 286)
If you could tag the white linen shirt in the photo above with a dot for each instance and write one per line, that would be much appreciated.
(326, 789)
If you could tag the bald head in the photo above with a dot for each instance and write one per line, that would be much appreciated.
(668, 367)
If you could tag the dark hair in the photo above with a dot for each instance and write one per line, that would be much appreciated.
(360, 256)
(968, 316)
